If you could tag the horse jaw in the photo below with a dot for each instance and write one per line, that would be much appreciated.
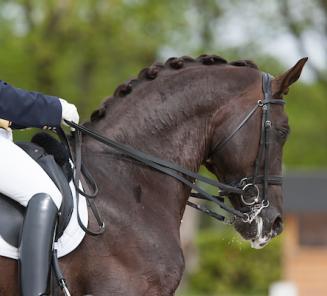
(261, 240)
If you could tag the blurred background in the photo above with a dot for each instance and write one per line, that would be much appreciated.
(82, 50)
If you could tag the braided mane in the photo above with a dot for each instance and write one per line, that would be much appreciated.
(153, 71)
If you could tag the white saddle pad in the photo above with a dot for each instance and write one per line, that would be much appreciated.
(70, 239)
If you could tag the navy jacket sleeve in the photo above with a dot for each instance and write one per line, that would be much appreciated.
(28, 109)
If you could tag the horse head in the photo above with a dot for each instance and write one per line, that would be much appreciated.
(244, 155)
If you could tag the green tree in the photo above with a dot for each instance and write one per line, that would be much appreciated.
(228, 266)
(81, 50)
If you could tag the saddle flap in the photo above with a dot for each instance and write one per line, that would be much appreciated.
(12, 213)
(50, 166)
(11, 220)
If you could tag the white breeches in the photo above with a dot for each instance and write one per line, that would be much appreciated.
(20, 176)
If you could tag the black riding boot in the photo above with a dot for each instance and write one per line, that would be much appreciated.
(36, 245)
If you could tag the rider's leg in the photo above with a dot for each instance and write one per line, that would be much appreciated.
(36, 245)
(21, 177)
(23, 180)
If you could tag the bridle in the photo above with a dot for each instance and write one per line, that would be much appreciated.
(249, 185)
(246, 188)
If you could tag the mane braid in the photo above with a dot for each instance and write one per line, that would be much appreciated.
(244, 63)
(152, 72)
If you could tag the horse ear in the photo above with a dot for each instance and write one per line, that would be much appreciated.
(281, 83)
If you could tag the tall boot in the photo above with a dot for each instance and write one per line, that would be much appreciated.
(36, 245)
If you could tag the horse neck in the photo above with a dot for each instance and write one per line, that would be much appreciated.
(170, 122)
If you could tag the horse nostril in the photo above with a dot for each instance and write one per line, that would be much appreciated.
(277, 226)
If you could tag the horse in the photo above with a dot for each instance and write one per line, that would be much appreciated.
(182, 111)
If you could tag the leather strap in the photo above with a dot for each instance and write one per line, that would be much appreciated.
(78, 163)
(81, 171)
(220, 145)
(151, 160)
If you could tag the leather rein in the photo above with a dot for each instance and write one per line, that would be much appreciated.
(247, 188)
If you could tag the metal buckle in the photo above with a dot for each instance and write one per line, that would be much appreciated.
(268, 123)
(265, 203)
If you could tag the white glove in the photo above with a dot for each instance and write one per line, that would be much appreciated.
(69, 112)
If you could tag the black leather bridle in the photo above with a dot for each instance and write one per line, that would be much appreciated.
(247, 188)
(251, 192)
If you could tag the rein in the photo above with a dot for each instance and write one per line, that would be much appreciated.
(247, 188)
(168, 168)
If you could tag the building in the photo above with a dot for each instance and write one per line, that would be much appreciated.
(305, 233)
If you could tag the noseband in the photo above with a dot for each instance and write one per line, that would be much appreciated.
(247, 188)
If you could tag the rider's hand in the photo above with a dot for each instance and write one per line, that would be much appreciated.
(69, 112)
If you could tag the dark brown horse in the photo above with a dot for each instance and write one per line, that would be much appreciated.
(177, 111)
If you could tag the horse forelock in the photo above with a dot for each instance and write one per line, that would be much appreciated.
(152, 72)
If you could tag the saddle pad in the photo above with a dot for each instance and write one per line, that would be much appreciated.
(70, 239)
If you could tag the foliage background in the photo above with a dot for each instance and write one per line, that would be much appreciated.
(81, 50)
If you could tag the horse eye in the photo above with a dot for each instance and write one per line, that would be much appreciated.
(283, 132)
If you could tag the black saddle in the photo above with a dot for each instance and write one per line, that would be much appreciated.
(57, 166)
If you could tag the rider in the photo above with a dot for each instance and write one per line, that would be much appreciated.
(23, 180)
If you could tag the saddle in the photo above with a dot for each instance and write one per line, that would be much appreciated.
(52, 156)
